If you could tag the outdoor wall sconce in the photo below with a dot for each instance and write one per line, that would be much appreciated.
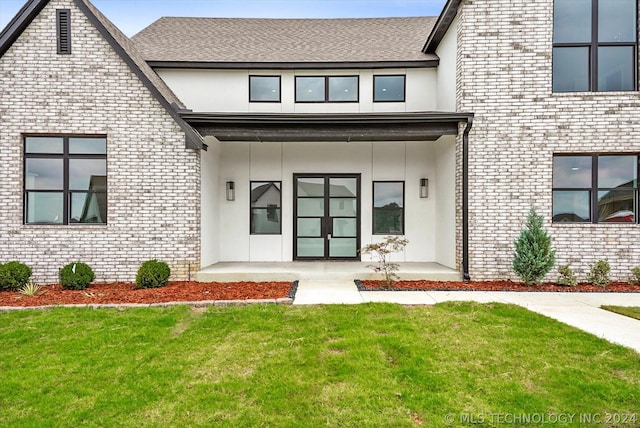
(424, 187)
(231, 191)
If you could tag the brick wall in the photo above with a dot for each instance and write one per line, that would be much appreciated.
(504, 77)
(153, 181)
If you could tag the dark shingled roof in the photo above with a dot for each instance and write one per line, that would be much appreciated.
(285, 40)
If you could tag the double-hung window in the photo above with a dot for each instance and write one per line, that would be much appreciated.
(326, 89)
(594, 45)
(65, 179)
(595, 188)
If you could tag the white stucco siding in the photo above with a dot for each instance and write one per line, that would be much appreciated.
(228, 90)
(446, 74)
(392, 161)
(445, 208)
(209, 199)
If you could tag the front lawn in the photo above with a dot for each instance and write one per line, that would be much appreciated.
(372, 365)
(629, 311)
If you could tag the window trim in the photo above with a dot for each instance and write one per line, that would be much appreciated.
(67, 193)
(593, 52)
(595, 188)
(251, 208)
(266, 101)
(327, 80)
(404, 90)
(373, 207)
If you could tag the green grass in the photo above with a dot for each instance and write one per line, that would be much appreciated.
(629, 311)
(343, 366)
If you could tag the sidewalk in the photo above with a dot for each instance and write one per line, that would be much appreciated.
(580, 310)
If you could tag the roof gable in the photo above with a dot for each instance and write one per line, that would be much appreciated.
(442, 25)
(122, 46)
(17, 25)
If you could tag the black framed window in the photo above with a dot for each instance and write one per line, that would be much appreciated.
(594, 45)
(389, 88)
(595, 188)
(388, 207)
(264, 89)
(266, 203)
(65, 180)
(322, 89)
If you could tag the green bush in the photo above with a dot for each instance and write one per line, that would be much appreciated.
(14, 275)
(153, 274)
(76, 276)
(635, 276)
(533, 257)
(567, 276)
(599, 274)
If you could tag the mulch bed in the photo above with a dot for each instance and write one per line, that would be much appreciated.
(614, 287)
(124, 292)
(191, 291)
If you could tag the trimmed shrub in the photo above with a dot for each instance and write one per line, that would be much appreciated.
(76, 276)
(567, 276)
(533, 257)
(599, 274)
(153, 274)
(14, 275)
(635, 276)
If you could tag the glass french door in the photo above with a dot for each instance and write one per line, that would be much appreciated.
(326, 217)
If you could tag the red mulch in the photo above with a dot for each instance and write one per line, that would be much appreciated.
(122, 292)
(614, 287)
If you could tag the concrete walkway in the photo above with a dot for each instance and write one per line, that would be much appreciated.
(580, 310)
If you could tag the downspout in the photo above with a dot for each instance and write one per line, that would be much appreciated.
(465, 199)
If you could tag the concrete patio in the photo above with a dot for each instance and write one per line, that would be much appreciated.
(333, 270)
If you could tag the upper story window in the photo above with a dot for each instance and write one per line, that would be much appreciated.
(322, 89)
(388, 88)
(65, 180)
(594, 45)
(595, 188)
(264, 89)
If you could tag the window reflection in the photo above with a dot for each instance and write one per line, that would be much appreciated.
(266, 207)
(264, 88)
(613, 195)
(388, 207)
(388, 88)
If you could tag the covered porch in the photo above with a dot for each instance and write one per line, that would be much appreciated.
(413, 154)
(320, 270)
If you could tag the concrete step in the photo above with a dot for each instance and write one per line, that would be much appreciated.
(316, 292)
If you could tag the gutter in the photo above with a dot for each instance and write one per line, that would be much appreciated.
(465, 199)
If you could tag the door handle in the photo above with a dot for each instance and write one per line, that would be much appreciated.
(329, 236)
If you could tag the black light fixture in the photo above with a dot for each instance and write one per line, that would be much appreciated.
(424, 187)
(231, 191)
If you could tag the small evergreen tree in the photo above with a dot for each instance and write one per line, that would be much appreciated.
(533, 257)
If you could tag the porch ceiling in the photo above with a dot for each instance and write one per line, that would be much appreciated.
(423, 126)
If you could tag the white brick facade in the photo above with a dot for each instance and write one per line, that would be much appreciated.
(153, 181)
(504, 77)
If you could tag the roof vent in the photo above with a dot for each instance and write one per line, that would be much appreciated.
(64, 30)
